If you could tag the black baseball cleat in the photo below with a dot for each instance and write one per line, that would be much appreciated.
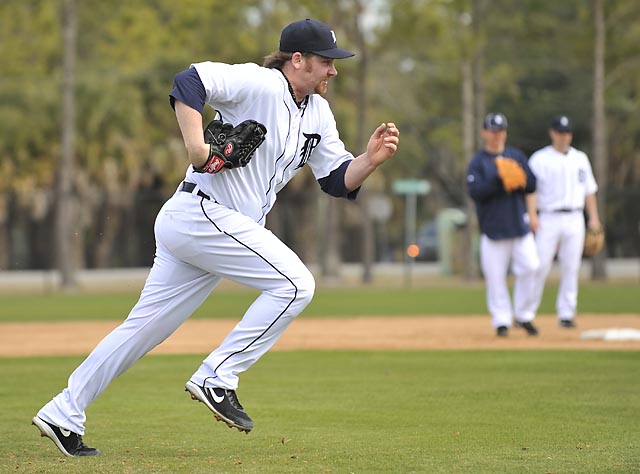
(68, 442)
(223, 403)
(502, 331)
(567, 323)
(527, 326)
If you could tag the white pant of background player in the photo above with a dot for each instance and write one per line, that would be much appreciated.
(196, 247)
(561, 234)
(496, 257)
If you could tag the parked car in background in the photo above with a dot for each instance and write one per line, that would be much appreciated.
(427, 242)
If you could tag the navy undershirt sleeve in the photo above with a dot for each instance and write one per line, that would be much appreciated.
(334, 183)
(188, 89)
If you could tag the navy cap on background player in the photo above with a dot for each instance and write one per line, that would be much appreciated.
(495, 122)
(561, 123)
(311, 36)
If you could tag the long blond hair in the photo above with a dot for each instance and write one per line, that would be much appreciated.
(278, 59)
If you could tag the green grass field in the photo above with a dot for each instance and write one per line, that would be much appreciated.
(343, 412)
(604, 298)
(348, 412)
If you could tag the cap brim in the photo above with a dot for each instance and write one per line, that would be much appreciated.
(562, 129)
(335, 53)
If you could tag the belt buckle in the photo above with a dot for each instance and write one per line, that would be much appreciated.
(188, 187)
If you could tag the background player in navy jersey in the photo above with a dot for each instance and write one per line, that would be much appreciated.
(506, 239)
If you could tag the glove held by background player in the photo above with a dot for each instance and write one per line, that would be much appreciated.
(593, 242)
(231, 147)
(511, 174)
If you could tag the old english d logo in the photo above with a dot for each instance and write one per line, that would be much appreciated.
(312, 141)
(582, 175)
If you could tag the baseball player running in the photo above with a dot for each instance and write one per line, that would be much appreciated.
(565, 186)
(213, 226)
(497, 179)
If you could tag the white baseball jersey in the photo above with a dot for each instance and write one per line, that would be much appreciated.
(295, 136)
(563, 180)
(213, 228)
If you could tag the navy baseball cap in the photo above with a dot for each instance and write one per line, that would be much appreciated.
(311, 36)
(561, 123)
(495, 122)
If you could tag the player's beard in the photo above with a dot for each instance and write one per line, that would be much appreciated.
(322, 87)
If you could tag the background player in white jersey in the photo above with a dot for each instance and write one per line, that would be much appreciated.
(565, 186)
(213, 226)
(505, 238)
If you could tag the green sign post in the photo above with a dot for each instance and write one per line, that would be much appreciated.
(411, 189)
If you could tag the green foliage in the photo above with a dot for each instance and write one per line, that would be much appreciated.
(394, 412)
(30, 38)
(537, 59)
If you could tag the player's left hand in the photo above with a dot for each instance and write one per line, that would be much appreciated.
(534, 223)
(383, 143)
(594, 224)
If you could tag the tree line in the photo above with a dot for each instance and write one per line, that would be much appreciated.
(434, 67)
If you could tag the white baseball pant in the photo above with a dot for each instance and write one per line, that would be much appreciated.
(199, 242)
(496, 257)
(560, 233)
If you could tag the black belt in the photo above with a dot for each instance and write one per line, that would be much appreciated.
(188, 187)
(566, 210)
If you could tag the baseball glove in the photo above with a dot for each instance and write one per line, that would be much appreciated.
(511, 173)
(593, 242)
(231, 147)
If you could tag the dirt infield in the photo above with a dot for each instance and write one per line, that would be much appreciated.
(375, 333)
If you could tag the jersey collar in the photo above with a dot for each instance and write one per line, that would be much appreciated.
(303, 103)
